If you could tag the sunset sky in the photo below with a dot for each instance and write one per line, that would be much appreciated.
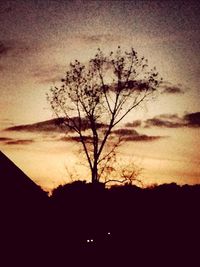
(38, 39)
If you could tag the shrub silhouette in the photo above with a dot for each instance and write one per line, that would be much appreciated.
(124, 225)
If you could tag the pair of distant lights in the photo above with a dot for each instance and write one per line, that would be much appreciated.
(92, 240)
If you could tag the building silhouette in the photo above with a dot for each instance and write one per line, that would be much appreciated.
(24, 215)
(16, 184)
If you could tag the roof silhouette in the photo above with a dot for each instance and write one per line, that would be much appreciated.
(14, 182)
(24, 215)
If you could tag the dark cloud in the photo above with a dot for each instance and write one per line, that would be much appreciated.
(174, 121)
(19, 142)
(86, 138)
(97, 38)
(5, 139)
(14, 48)
(134, 136)
(168, 116)
(126, 135)
(54, 125)
(12, 141)
(168, 88)
(142, 138)
(136, 85)
(165, 121)
(124, 131)
(136, 123)
(192, 119)
(4, 49)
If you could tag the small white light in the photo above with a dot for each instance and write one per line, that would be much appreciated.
(91, 240)
(108, 233)
(88, 240)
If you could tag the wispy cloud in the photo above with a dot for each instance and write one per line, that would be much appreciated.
(53, 125)
(168, 88)
(136, 123)
(134, 136)
(15, 48)
(124, 131)
(86, 138)
(20, 142)
(4, 49)
(172, 90)
(57, 126)
(99, 38)
(174, 121)
(165, 120)
(5, 139)
(49, 74)
(142, 138)
(12, 141)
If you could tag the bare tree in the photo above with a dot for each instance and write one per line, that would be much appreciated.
(96, 97)
(118, 171)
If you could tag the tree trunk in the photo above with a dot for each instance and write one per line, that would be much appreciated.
(95, 173)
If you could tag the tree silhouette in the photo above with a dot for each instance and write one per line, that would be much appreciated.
(97, 96)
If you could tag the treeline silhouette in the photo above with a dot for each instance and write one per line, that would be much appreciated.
(89, 225)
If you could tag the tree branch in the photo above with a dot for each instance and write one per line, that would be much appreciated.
(132, 107)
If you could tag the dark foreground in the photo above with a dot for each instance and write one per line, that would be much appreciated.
(86, 225)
